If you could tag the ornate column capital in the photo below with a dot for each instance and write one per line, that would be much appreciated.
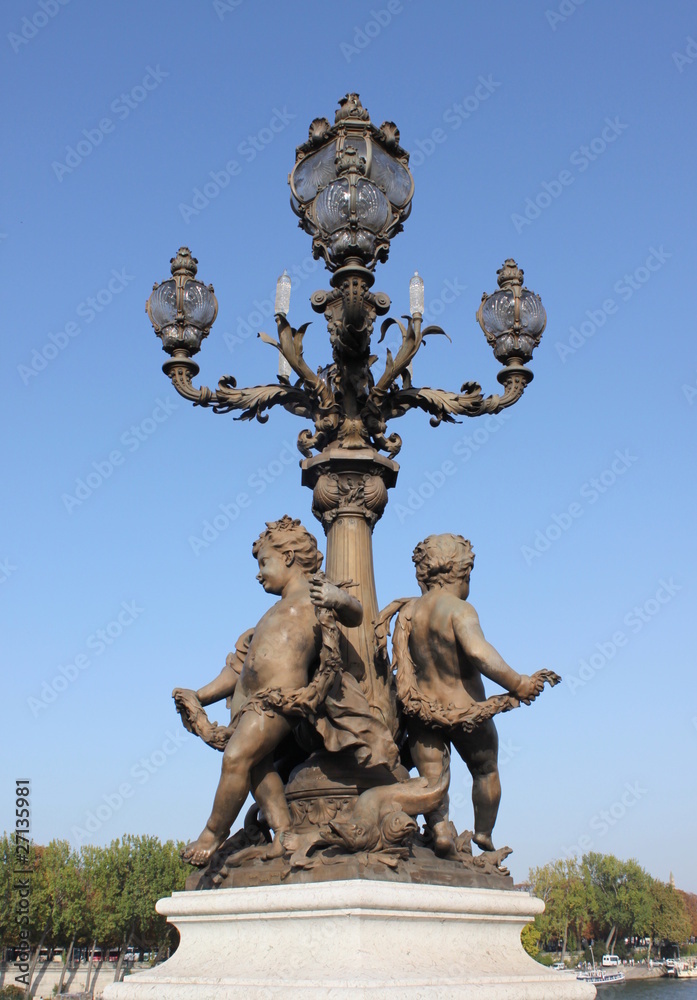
(349, 483)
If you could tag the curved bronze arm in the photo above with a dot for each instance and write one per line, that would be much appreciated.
(445, 406)
(252, 401)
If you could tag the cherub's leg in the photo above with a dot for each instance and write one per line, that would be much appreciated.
(428, 752)
(254, 738)
(479, 750)
(267, 789)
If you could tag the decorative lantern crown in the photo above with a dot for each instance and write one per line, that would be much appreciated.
(351, 186)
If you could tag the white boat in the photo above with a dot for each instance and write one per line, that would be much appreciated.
(601, 977)
(677, 968)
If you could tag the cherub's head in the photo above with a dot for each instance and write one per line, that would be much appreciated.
(285, 548)
(444, 560)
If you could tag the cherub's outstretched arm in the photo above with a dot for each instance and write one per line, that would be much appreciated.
(488, 660)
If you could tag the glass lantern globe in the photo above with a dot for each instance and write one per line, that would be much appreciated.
(182, 310)
(513, 319)
(351, 186)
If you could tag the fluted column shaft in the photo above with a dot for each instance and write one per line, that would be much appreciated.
(349, 496)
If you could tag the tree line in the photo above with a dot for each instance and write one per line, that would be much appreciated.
(98, 898)
(602, 899)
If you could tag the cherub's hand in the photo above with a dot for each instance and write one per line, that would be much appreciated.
(324, 594)
(529, 688)
(182, 695)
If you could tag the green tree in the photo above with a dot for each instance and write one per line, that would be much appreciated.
(619, 896)
(690, 901)
(157, 871)
(124, 881)
(56, 897)
(530, 939)
(560, 885)
(670, 919)
(8, 924)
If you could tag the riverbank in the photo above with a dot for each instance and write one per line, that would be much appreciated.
(47, 975)
(641, 972)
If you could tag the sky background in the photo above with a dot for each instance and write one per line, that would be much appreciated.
(605, 761)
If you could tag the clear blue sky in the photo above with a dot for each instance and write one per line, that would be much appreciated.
(584, 121)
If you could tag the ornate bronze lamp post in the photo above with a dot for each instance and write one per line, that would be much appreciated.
(352, 189)
(331, 887)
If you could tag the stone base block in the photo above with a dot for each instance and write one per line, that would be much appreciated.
(349, 940)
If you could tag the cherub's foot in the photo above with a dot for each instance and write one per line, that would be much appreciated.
(484, 841)
(276, 848)
(199, 852)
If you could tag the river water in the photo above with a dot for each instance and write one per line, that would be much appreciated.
(651, 989)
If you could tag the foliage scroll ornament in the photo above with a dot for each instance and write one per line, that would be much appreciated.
(348, 406)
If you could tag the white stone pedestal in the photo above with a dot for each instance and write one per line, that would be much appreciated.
(347, 940)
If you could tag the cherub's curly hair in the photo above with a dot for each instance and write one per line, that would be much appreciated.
(290, 535)
(441, 559)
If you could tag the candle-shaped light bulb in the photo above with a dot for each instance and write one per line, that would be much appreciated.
(282, 304)
(416, 295)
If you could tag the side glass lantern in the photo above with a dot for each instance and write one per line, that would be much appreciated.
(513, 319)
(182, 310)
(351, 186)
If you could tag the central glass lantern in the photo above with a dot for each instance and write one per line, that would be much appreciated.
(351, 186)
